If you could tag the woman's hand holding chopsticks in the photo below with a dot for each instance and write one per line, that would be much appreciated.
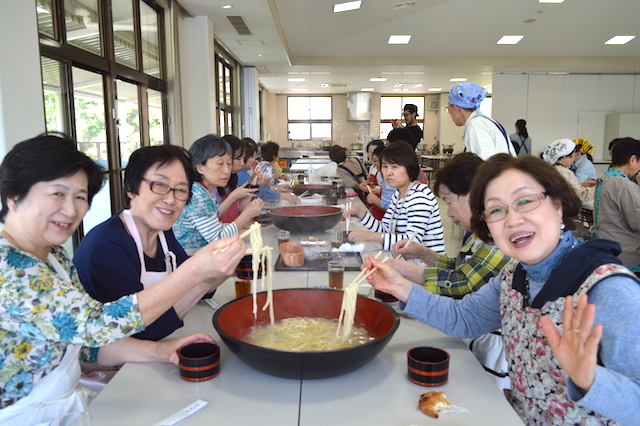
(384, 278)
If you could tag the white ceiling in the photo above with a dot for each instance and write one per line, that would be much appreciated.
(450, 38)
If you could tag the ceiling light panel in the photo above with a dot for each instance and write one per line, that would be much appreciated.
(343, 7)
(399, 39)
(458, 79)
(378, 79)
(367, 89)
(550, 1)
(620, 39)
(510, 39)
(296, 79)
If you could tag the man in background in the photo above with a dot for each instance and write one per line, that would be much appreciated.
(410, 115)
(482, 135)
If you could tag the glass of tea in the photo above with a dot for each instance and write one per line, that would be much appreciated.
(284, 236)
(336, 274)
(243, 288)
(336, 238)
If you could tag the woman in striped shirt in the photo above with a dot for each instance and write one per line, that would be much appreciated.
(199, 222)
(413, 208)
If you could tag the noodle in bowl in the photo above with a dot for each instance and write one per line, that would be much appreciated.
(235, 320)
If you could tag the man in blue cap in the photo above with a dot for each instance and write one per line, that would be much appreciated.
(482, 135)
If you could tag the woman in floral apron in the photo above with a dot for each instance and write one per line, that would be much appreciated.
(46, 187)
(568, 310)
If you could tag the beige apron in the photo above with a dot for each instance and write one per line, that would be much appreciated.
(57, 394)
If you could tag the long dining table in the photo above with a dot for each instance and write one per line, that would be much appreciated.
(378, 393)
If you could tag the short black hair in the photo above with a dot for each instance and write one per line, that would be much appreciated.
(251, 148)
(402, 134)
(44, 158)
(377, 143)
(237, 145)
(146, 157)
(457, 173)
(403, 154)
(623, 150)
(270, 151)
(378, 151)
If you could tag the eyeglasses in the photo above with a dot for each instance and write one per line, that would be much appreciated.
(448, 108)
(160, 188)
(521, 205)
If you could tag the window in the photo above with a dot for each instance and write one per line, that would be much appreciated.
(98, 42)
(224, 96)
(391, 109)
(309, 117)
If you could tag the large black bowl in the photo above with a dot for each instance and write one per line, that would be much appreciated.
(306, 219)
(234, 320)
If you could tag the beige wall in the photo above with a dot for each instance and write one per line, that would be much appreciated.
(345, 132)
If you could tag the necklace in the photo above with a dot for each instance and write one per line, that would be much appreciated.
(526, 295)
(11, 239)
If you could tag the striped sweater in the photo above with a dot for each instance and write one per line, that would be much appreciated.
(199, 223)
(418, 213)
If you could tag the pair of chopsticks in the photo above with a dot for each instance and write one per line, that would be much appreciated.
(304, 194)
(223, 249)
(348, 207)
(365, 272)
(408, 243)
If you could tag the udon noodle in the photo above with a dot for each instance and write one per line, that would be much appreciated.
(305, 334)
(261, 254)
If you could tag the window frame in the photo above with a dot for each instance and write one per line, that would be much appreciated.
(310, 121)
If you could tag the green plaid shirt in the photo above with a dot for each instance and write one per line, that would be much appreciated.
(476, 264)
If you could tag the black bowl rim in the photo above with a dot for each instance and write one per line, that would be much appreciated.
(224, 335)
(337, 211)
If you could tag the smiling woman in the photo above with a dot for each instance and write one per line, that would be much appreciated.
(541, 301)
(46, 187)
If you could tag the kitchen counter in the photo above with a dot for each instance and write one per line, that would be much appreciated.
(377, 394)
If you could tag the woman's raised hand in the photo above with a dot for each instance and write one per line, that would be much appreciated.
(242, 192)
(254, 208)
(355, 210)
(577, 348)
(218, 259)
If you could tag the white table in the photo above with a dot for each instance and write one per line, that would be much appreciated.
(377, 394)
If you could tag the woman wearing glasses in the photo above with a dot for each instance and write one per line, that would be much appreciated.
(136, 248)
(46, 187)
(562, 368)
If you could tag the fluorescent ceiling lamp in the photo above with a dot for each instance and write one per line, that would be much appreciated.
(296, 79)
(399, 39)
(620, 39)
(510, 39)
(550, 1)
(413, 72)
(299, 90)
(378, 79)
(343, 7)
(458, 79)
(367, 89)
(434, 89)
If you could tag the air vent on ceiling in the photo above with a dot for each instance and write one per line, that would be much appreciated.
(239, 25)
(325, 85)
(404, 5)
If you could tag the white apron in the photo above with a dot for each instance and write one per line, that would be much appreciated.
(96, 377)
(149, 278)
(57, 394)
